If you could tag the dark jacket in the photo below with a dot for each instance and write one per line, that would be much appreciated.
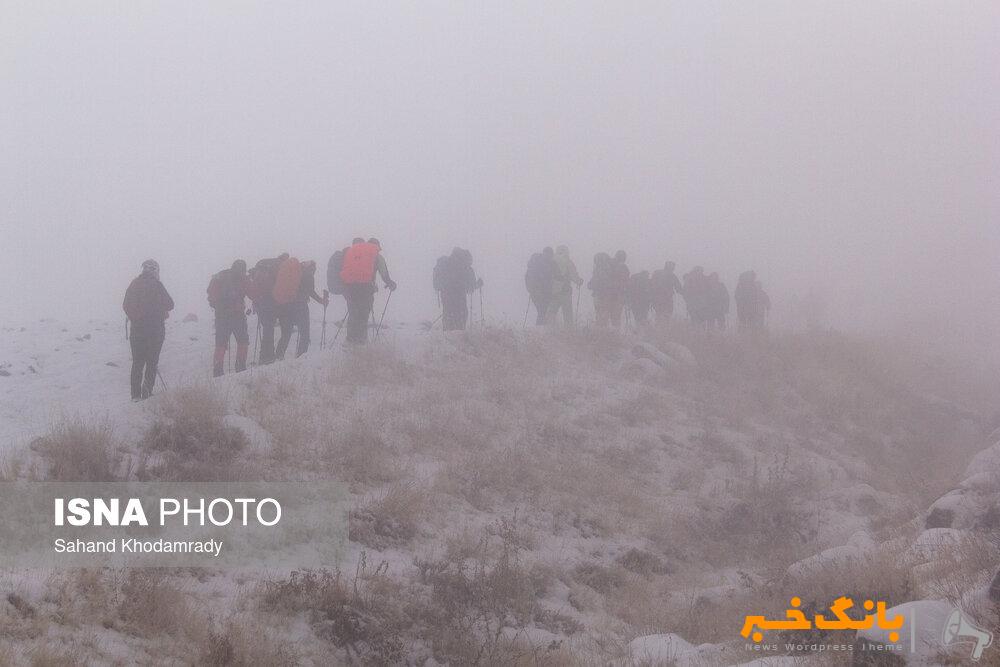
(147, 301)
(227, 291)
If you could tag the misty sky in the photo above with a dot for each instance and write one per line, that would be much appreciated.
(845, 146)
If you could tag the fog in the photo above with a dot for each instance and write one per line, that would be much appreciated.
(849, 147)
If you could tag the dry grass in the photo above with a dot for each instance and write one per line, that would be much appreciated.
(191, 443)
(244, 644)
(391, 519)
(76, 451)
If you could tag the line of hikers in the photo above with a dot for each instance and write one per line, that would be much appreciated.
(280, 288)
(616, 291)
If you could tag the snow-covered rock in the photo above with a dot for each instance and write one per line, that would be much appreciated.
(678, 353)
(260, 439)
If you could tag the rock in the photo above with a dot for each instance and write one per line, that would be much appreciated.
(86, 336)
(934, 544)
(842, 555)
(112, 364)
(638, 368)
(4, 373)
(190, 317)
(647, 351)
(679, 353)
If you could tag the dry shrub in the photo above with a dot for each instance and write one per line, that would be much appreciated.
(75, 451)
(770, 515)
(288, 420)
(366, 616)
(192, 443)
(239, 644)
(601, 578)
(646, 563)
(391, 519)
(51, 656)
(360, 455)
(197, 403)
(151, 603)
(474, 600)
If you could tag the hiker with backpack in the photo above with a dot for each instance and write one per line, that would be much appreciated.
(697, 296)
(262, 278)
(640, 297)
(752, 302)
(664, 284)
(227, 292)
(618, 288)
(295, 285)
(454, 279)
(562, 287)
(147, 306)
(718, 302)
(362, 263)
(600, 286)
(538, 279)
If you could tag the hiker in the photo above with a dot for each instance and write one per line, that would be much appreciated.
(562, 287)
(538, 279)
(640, 297)
(695, 293)
(227, 292)
(764, 307)
(601, 286)
(362, 262)
(261, 293)
(455, 279)
(747, 300)
(718, 302)
(295, 314)
(147, 306)
(664, 283)
(618, 291)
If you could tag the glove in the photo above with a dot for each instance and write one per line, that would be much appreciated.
(249, 312)
(391, 285)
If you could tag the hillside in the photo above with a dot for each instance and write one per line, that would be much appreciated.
(534, 497)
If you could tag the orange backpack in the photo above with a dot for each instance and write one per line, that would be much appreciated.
(286, 283)
(359, 264)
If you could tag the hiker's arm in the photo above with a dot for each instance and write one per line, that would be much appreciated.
(317, 298)
(383, 271)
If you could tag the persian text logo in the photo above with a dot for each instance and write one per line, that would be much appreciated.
(795, 619)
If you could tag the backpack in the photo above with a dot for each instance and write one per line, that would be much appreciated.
(333, 268)
(441, 273)
(263, 275)
(216, 289)
(359, 264)
(539, 274)
(287, 280)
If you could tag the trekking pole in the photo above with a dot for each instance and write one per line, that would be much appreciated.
(162, 381)
(527, 309)
(378, 329)
(436, 320)
(482, 312)
(322, 338)
(340, 327)
(256, 342)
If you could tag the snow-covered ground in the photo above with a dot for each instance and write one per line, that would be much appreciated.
(567, 496)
